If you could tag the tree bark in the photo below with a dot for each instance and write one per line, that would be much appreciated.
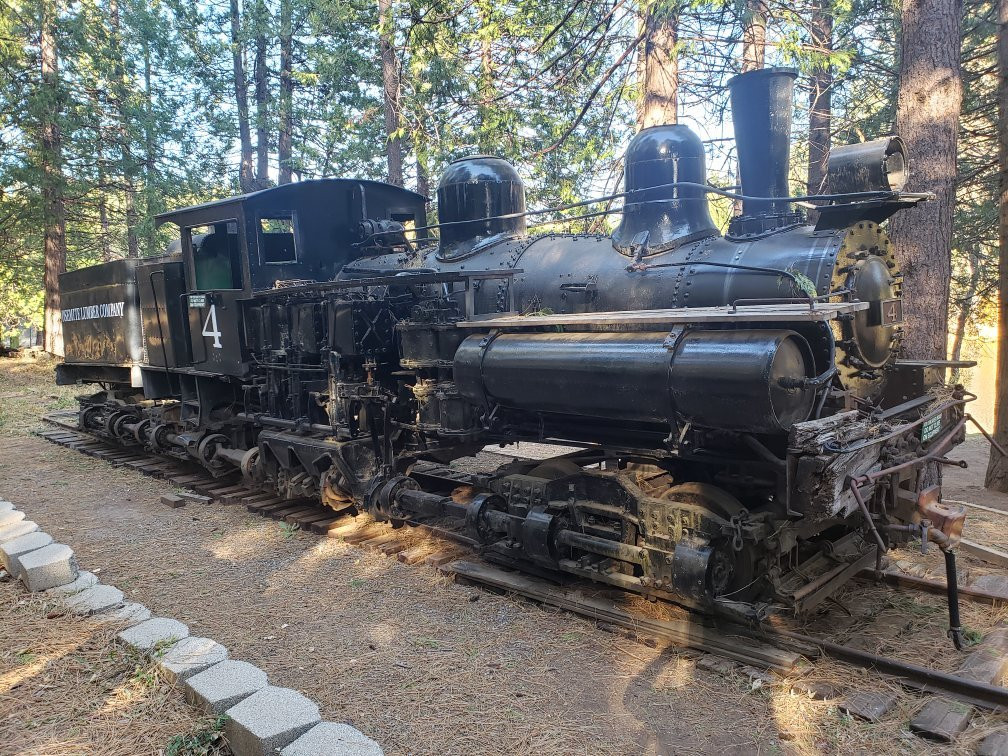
(261, 74)
(390, 81)
(997, 467)
(119, 96)
(658, 65)
(284, 141)
(927, 117)
(820, 98)
(246, 178)
(53, 187)
(754, 35)
(150, 158)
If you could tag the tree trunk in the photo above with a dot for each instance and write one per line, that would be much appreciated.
(390, 80)
(120, 93)
(820, 98)
(965, 308)
(997, 467)
(286, 94)
(53, 200)
(658, 65)
(150, 157)
(754, 35)
(245, 176)
(927, 117)
(261, 74)
(486, 109)
(104, 229)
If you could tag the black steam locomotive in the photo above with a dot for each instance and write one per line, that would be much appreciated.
(746, 437)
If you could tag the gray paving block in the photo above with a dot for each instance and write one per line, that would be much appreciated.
(48, 567)
(220, 687)
(6, 506)
(84, 580)
(131, 612)
(93, 600)
(868, 704)
(12, 551)
(146, 635)
(941, 719)
(10, 517)
(995, 744)
(17, 529)
(988, 662)
(329, 739)
(191, 656)
(269, 719)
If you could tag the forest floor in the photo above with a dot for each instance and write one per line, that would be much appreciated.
(419, 663)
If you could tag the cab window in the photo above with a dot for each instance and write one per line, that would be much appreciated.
(277, 240)
(216, 255)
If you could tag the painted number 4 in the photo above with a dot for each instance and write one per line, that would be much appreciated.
(210, 327)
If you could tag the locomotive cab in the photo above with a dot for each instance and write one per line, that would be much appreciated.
(230, 249)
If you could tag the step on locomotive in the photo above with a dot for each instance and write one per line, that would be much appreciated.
(745, 435)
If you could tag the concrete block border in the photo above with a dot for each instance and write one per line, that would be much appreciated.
(261, 718)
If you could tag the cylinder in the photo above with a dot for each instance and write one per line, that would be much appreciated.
(472, 194)
(761, 103)
(658, 156)
(728, 380)
(880, 165)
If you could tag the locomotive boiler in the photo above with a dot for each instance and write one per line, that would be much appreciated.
(741, 434)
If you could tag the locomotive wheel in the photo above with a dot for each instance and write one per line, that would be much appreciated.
(554, 469)
(705, 495)
(731, 571)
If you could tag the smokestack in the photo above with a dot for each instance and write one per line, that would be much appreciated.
(761, 103)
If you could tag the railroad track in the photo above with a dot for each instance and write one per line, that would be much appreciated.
(755, 649)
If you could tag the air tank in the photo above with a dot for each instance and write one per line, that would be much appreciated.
(745, 380)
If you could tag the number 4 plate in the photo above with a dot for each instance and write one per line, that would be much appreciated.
(886, 312)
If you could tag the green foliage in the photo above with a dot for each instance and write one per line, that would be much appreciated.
(149, 114)
(206, 742)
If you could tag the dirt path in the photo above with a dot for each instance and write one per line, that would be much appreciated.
(418, 663)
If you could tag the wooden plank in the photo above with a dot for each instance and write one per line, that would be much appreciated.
(378, 541)
(987, 553)
(937, 587)
(173, 501)
(993, 510)
(439, 558)
(392, 547)
(366, 533)
(237, 497)
(350, 526)
(279, 511)
(258, 506)
(316, 514)
(187, 478)
(746, 313)
(412, 556)
(297, 515)
(322, 527)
